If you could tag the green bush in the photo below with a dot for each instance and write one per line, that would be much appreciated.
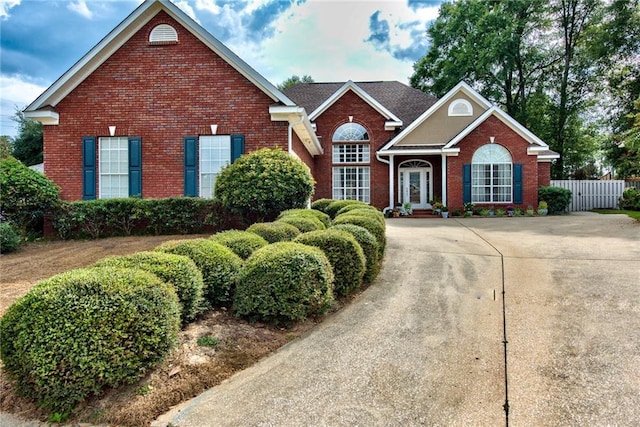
(217, 263)
(303, 224)
(284, 282)
(274, 232)
(25, 195)
(321, 204)
(557, 198)
(344, 253)
(263, 183)
(80, 331)
(243, 243)
(186, 215)
(630, 199)
(176, 270)
(369, 213)
(354, 206)
(335, 206)
(10, 238)
(306, 213)
(371, 224)
(369, 246)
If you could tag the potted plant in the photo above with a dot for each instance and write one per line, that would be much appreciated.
(468, 208)
(530, 210)
(436, 206)
(510, 210)
(444, 211)
(543, 208)
(407, 208)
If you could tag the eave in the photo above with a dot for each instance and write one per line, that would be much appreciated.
(46, 117)
(301, 125)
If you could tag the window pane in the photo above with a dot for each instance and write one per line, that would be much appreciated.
(351, 183)
(113, 167)
(351, 153)
(215, 153)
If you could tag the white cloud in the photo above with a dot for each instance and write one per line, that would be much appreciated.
(80, 7)
(16, 91)
(5, 7)
(208, 5)
(186, 8)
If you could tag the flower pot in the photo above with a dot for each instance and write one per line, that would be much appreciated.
(542, 211)
(445, 214)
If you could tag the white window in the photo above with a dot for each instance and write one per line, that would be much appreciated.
(350, 132)
(491, 175)
(114, 167)
(352, 182)
(460, 107)
(215, 153)
(163, 33)
(351, 153)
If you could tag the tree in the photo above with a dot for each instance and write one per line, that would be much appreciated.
(294, 80)
(27, 146)
(5, 147)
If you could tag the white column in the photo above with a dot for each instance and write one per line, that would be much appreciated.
(444, 179)
(391, 182)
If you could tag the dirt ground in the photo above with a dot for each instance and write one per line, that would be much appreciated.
(188, 371)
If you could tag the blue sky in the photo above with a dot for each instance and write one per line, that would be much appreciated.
(330, 40)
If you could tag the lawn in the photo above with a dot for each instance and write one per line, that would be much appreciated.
(631, 214)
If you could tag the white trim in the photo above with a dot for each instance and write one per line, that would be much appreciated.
(124, 31)
(455, 102)
(392, 119)
(46, 117)
(302, 126)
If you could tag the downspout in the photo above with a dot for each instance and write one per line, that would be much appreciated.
(444, 179)
(391, 175)
(290, 134)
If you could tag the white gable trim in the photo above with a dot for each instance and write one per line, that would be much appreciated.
(462, 86)
(124, 31)
(299, 122)
(392, 120)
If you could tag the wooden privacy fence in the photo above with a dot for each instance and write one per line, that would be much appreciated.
(592, 194)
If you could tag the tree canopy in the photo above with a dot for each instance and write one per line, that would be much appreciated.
(294, 80)
(27, 146)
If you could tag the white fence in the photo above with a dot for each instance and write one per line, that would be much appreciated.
(592, 194)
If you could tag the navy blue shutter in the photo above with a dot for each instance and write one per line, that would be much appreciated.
(135, 167)
(517, 183)
(191, 166)
(237, 147)
(88, 168)
(466, 183)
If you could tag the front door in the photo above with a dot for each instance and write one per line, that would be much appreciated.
(414, 187)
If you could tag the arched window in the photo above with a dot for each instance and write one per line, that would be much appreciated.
(460, 107)
(163, 33)
(351, 159)
(491, 175)
(350, 132)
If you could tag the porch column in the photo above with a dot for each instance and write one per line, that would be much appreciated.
(444, 179)
(391, 183)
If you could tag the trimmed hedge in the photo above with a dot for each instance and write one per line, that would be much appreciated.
(217, 263)
(306, 213)
(274, 232)
(243, 243)
(176, 270)
(344, 254)
(353, 206)
(303, 224)
(335, 206)
(80, 331)
(375, 214)
(10, 238)
(321, 204)
(557, 198)
(284, 282)
(371, 224)
(369, 246)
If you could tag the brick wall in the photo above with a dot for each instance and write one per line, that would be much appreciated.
(504, 136)
(161, 93)
(338, 114)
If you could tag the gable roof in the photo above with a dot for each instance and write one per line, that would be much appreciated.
(392, 99)
(122, 33)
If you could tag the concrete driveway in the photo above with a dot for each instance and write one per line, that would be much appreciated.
(424, 344)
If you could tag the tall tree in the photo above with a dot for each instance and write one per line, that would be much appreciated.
(27, 146)
(294, 80)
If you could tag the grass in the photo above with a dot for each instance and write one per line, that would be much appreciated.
(631, 214)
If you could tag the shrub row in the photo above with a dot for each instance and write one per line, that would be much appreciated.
(117, 217)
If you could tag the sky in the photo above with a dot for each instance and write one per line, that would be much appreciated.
(330, 40)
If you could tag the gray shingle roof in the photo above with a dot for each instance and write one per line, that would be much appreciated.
(404, 101)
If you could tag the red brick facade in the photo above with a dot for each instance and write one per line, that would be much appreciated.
(161, 93)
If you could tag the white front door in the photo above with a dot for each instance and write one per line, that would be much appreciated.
(415, 187)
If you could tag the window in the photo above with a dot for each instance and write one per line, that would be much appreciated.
(350, 132)
(351, 183)
(460, 107)
(491, 175)
(214, 154)
(114, 167)
(351, 153)
(163, 33)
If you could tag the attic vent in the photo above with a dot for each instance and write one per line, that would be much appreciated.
(460, 107)
(163, 33)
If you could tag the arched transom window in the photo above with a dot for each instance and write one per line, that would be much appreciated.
(350, 132)
(491, 175)
(460, 107)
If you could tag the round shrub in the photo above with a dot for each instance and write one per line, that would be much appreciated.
(377, 215)
(335, 206)
(630, 199)
(10, 239)
(353, 206)
(321, 204)
(80, 331)
(284, 282)
(344, 254)
(217, 263)
(369, 246)
(323, 217)
(558, 199)
(274, 232)
(303, 224)
(243, 243)
(371, 224)
(176, 270)
(263, 183)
